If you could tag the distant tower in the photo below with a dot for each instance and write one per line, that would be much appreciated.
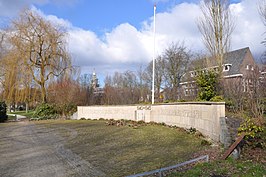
(95, 84)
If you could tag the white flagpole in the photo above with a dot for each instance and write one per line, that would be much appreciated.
(153, 60)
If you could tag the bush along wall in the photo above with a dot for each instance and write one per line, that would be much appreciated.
(3, 116)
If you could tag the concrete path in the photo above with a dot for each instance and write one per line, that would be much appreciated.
(32, 150)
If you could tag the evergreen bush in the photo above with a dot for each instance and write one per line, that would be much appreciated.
(3, 116)
(45, 111)
(207, 83)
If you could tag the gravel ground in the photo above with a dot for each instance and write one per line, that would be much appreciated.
(31, 150)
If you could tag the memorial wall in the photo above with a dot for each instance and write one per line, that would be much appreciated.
(204, 116)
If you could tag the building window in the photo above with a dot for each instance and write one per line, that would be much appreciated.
(186, 92)
(226, 68)
(244, 85)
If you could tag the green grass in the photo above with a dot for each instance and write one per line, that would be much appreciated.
(120, 151)
(230, 167)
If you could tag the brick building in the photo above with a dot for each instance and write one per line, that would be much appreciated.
(239, 67)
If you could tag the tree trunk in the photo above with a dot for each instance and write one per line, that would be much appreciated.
(43, 90)
(27, 107)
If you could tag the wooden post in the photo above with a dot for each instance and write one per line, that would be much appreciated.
(233, 146)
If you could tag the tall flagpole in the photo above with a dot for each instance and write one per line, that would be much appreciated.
(153, 59)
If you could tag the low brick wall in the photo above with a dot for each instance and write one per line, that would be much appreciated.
(204, 116)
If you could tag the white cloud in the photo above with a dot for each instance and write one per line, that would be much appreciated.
(249, 28)
(125, 46)
(179, 25)
(121, 48)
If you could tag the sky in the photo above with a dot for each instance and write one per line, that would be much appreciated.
(117, 35)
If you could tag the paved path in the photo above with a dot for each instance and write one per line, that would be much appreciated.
(32, 150)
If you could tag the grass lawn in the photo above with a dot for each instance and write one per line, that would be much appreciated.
(120, 151)
(252, 162)
(230, 167)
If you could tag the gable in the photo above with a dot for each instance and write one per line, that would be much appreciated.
(234, 62)
(248, 63)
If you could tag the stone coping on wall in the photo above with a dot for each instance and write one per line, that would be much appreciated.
(159, 104)
(201, 103)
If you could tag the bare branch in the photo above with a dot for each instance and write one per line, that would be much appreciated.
(262, 11)
(216, 27)
(42, 46)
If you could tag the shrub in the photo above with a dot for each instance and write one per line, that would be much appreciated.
(3, 116)
(182, 100)
(67, 109)
(205, 142)
(229, 104)
(116, 122)
(141, 122)
(207, 82)
(45, 110)
(162, 123)
(217, 99)
(254, 133)
(192, 130)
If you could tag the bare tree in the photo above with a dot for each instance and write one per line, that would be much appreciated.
(122, 88)
(1, 63)
(159, 75)
(2, 36)
(86, 84)
(41, 46)
(262, 11)
(257, 93)
(234, 94)
(10, 71)
(141, 84)
(216, 26)
(129, 79)
(25, 90)
(176, 58)
(66, 90)
(16, 80)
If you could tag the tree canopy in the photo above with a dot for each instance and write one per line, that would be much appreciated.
(41, 48)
